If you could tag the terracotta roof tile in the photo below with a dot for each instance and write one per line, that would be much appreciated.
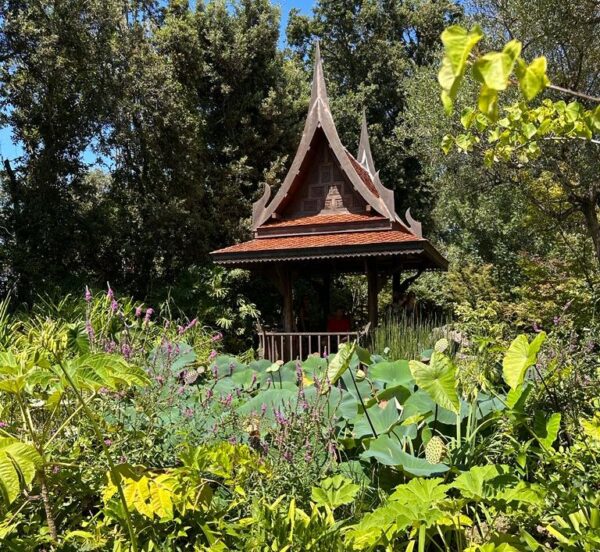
(329, 218)
(321, 240)
(363, 173)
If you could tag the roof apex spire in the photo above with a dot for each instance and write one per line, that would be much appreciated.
(364, 156)
(319, 90)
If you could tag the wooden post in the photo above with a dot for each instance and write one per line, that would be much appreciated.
(373, 292)
(288, 304)
(326, 297)
(395, 286)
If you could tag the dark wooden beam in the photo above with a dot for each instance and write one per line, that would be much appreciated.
(373, 292)
(286, 288)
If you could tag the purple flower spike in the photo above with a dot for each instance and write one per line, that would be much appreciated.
(110, 293)
(149, 313)
(138, 312)
(88, 294)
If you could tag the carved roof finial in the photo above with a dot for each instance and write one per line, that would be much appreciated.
(319, 90)
(364, 156)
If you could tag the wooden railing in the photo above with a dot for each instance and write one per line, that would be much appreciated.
(298, 345)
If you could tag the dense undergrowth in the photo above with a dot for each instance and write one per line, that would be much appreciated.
(123, 428)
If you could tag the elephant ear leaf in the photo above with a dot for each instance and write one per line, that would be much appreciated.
(340, 362)
(18, 465)
(438, 380)
(520, 356)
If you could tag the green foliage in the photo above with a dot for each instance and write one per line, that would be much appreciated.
(520, 356)
(438, 379)
(19, 463)
(334, 492)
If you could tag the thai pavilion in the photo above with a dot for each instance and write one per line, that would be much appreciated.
(331, 215)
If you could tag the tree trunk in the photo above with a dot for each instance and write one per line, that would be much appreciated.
(47, 505)
(590, 212)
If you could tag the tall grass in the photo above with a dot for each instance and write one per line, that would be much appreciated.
(406, 336)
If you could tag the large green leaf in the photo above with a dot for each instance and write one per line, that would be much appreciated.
(392, 373)
(340, 362)
(494, 68)
(18, 464)
(532, 77)
(271, 398)
(520, 356)
(438, 379)
(389, 452)
(475, 483)
(383, 419)
(458, 43)
(104, 370)
(335, 491)
(546, 430)
(425, 492)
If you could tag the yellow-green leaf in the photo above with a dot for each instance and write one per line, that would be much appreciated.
(532, 78)
(520, 356)
(438, 380)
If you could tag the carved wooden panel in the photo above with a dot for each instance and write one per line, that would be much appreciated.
(325, 188)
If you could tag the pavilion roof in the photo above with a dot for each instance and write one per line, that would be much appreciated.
(362, 224)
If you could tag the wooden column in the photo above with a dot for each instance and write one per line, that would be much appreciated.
(326, 297)
(395, 285)
(285, 276)
(373, 292)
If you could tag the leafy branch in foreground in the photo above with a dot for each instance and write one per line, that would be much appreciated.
(516, 130)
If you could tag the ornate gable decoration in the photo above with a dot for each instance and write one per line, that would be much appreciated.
(325, 177)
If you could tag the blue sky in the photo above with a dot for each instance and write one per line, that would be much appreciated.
(9, 150)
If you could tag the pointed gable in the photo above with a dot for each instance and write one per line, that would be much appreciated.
(320, 125)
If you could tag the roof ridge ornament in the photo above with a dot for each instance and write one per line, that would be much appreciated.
(413, 225)
(364, 155)
(319, 89)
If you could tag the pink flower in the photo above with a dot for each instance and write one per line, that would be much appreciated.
(213, 354)
(188, 412)
(88, 294)
(108, 442)
(3, 424)
(228, 399)
(110, 293)
(114, 306)
(149, 313)
(138, 312)
(89, 330)
(217, 337)
(126, 350)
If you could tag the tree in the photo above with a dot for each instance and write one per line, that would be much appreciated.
(559, 139)
(54, 57)
(147, 129)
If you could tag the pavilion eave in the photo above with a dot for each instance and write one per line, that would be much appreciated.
(418, 254)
